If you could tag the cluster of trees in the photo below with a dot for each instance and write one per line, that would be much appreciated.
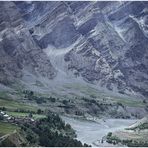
(101, 106)
(65, 102)
(3, 108)
(1, 117)
(144, 101)
(58, 140)
(24, 111)
(51, 131)
(134, 143)
(140, 127)
(39, 100)
(112, 139)
(30, 112)
(128, 142)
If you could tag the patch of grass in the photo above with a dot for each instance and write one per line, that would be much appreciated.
(12, 105)
(20, 114)
(90, 91)
(7, 128)
(17, 114)
(37, 116)
(130, 142)
(142, 126)
(4, 95)
(84, 89)
(38, 83)
(130, 102)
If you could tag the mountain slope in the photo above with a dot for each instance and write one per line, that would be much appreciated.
(19, 51)
(133, 136)
(103, 44)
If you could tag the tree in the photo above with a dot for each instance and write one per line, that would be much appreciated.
(65, 102)
(3, 108)
(50, 132)
(31, 136)
(31, 93)
(52, 99)
(39, 111)
(109, 134)
(30, 115)
(1, 117)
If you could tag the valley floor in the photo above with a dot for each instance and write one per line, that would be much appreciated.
(92, 133)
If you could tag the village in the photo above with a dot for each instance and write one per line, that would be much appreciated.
(16, 120)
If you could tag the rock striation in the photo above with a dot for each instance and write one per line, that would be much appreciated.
(104, 43)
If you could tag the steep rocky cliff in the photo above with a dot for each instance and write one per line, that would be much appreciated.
(101, 43)
(18, 50)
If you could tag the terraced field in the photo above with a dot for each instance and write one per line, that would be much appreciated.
(7, 128)
(20, 114)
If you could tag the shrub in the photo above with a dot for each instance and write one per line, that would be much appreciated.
(65, 102)
(109, 134)
(39, 111)
(1, 117)
(30, 115)
(3, 108)
(52, 99)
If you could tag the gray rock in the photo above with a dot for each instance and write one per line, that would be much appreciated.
(104, 43)
(18, 49)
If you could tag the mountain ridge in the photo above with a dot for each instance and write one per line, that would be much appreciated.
(86, 41)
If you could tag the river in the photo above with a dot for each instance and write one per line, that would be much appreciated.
(91, 132)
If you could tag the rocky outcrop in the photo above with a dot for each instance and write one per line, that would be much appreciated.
(104, 43)
(19, 51)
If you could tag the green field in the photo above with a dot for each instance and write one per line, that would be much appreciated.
(84, 89)
(20, 114)
(129, 102)
(7, 128)
(11, 104)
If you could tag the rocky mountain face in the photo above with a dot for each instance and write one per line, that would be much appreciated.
(101, 43)
(18, 50)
